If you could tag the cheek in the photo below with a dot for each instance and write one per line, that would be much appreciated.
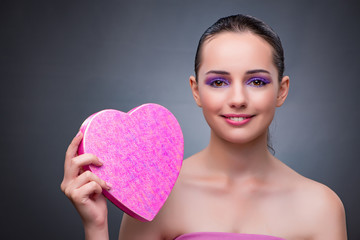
(211, 100)
(265, 101)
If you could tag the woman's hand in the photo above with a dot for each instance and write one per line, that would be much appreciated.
(84, 190)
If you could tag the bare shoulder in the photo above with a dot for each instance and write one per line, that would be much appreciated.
(322, 197)
(317, 197)
(320, 208)
(308, 190)
(326, 210)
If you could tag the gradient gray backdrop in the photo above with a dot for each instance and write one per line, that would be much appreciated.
(64, 60)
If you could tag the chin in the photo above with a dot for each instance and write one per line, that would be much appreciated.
(242, 138)
(240, 141)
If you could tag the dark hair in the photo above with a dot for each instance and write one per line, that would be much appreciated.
(243, 23)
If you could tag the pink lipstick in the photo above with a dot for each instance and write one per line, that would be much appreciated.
(237, 119)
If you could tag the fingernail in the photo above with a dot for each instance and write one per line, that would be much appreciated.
(108, 185)
(78, 134)
(100, 162)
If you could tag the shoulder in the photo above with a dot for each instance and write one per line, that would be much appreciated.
(307, 191)
(318, 198)
(325, 210)
(315, 196)
(319, 208)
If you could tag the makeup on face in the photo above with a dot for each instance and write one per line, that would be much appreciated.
(256, 80)
(237, 119)
(259, 78)
(217, 82)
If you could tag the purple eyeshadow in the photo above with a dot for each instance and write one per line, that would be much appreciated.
(261, 79)
(210, 81)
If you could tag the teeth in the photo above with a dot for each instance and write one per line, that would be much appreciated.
(238, 119)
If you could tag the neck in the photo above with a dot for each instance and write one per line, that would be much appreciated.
(233, 160)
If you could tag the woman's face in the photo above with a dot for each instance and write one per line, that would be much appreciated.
(238, 87)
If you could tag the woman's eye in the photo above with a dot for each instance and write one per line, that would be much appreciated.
(257, 82)
(219, 83)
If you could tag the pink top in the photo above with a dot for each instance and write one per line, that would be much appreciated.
(225, 236)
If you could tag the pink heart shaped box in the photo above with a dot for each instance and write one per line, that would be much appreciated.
(142, 153)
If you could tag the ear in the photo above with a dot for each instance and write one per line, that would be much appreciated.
(195, 90)
(283, 91)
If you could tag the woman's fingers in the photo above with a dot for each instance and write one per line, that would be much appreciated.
(80, 161)
(82, 194)
(74, 164)
(73, 147)
(83, 179)
(84, 188)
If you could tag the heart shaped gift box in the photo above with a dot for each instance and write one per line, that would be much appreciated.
(142, 153)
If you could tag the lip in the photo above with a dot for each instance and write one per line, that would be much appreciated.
(247, 118)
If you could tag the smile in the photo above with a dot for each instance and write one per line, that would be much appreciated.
(237, 119)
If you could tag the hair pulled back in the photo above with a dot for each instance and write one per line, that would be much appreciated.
(244, 23)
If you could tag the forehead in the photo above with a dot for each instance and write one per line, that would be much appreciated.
(240, 51)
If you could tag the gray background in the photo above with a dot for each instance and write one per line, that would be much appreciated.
(64, 60)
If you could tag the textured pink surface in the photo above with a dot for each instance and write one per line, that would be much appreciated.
(225, 236)
(141, 152)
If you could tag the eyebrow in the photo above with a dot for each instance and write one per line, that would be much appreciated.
(257, 71)
(218, 72)
(227, 73)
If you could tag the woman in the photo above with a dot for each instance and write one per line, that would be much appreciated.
(234, 188)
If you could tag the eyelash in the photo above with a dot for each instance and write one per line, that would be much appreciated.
(221, 81)
(258, 80)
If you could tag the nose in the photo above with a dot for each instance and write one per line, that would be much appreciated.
(237, 96)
